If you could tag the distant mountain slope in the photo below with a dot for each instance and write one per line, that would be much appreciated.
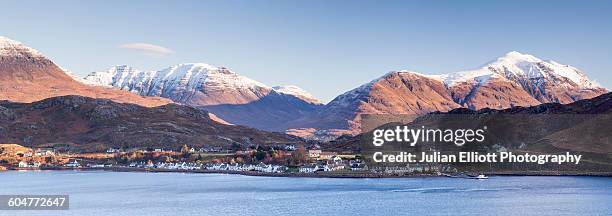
(272, 112)
(512, 80)
(26, 76)
(232, 97)
(96, 124)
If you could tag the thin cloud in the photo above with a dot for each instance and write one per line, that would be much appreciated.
(147, 49)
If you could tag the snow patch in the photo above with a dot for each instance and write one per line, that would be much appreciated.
(296, 91)
(9, 47)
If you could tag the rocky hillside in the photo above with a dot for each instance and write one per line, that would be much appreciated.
(95, 124)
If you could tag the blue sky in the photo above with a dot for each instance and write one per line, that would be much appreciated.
(325, 47)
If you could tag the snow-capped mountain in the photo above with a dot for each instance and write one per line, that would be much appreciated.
(114, 77)
(232, 97)
(188, 83)
(26, 75)
(297, 92)
(514, 79)
(518, 66)
(517, 79)
(16, 49)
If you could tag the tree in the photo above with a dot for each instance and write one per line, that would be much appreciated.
(185, 149)
(279, 157)
(185, 153)
(260, 155)
(299, 156)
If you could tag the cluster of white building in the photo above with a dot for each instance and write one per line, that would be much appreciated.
(100, 165)
(261, 167)
(326, 166)
(334, 163)
(325, 162)
(73, 164)
(24, 164)
(163, 165)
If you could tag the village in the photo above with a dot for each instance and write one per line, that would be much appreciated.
(285, 159)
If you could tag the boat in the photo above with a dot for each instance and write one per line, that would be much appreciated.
(463, 175)
(481, 177)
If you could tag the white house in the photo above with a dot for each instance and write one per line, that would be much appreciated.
(279, 169)
(73, 164)
(310, 168)
(333, 167)
(23, 164)
(335, 159)
(248, 167)
(112, 150)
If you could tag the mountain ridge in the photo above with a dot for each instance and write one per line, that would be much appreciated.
(514, 79)
(190, 77)
(232, 97)
(90, 124)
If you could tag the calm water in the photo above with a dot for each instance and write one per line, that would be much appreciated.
(122, 193)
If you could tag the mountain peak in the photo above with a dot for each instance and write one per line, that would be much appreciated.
(194, 75)
(122, 66)
(297, 92)
(13, 48)
(197, 64)
(107, 78)
(515, 65)
(195, 79)
(517, 56)
(4, 41)
(27, 76)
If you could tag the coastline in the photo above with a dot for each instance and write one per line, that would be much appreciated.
(353, 174)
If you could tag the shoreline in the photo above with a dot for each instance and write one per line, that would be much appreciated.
(347, 174)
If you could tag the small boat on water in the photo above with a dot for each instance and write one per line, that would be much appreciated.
(481, 177)
(463, 175)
